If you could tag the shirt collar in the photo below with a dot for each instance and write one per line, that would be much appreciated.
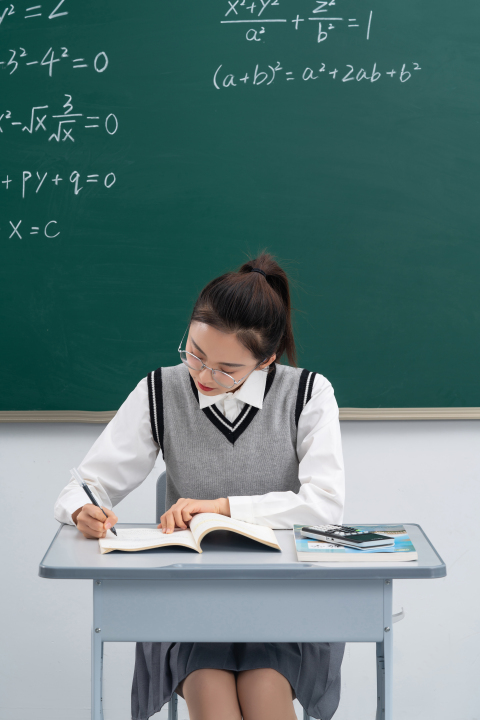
(251, 392)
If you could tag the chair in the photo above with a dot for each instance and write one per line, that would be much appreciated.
(172, 705)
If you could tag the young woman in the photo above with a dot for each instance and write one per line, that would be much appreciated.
(243, 436)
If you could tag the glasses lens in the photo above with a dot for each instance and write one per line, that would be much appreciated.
(190, 360)
(223, 379)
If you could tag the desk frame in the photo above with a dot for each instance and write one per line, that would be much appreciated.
(346, 610)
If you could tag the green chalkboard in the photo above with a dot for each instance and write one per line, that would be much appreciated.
(147, 147)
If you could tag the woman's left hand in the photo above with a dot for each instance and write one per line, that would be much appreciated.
(181, 513)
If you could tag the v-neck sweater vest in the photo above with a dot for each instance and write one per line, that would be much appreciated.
(207, 456)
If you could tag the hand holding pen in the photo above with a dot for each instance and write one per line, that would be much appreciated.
(90, 517)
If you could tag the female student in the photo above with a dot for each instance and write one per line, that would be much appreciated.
(243, 436)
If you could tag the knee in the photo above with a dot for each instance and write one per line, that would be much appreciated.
(263, 683)
(266, 694)
(211, 695)
(205, 682)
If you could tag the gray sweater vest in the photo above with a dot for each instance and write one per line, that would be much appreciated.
(207, 456)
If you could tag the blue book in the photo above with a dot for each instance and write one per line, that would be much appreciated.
(311, 550)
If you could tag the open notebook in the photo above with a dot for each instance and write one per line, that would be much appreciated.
(133, 539)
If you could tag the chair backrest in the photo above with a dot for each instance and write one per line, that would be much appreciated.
(161, 493)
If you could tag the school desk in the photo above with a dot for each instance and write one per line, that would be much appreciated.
(236, 590)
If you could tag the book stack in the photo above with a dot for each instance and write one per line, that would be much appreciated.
(309, 550)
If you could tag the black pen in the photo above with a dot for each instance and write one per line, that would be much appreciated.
(84, 485)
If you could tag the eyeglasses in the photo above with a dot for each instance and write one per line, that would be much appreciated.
(218, 376)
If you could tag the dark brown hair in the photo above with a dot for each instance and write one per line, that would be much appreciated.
(253, 306)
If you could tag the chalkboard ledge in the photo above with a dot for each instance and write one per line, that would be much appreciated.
(433, 413)
(102, 418)
(56, 416)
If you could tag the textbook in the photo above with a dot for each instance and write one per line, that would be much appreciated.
(134, 539)
(310, 550)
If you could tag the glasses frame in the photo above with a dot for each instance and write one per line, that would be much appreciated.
(229, 387)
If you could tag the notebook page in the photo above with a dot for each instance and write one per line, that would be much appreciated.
(143, 538)
(204, 522)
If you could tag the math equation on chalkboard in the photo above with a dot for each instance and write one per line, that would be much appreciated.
(266, 74)
(58, 123)
(28, 183)
(15, 13)
(19, 59)
(318, 21)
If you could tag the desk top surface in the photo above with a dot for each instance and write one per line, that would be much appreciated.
(226, 555)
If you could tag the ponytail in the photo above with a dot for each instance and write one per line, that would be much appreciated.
(253, 305)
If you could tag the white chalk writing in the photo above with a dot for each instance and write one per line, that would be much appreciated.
(18, 59)
(263, 74)
(18, 229)
(31, 182)
(53, 125)
(18, 12)
(317, 21)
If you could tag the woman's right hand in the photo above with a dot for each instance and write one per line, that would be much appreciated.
(91, 521)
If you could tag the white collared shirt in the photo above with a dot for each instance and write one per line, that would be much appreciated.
(231, 404)
(125, 453)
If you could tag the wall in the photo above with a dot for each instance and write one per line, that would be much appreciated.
(425, 472)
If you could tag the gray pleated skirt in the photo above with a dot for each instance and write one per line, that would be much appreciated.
(312, 669)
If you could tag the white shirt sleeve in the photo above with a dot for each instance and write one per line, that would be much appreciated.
(118, 461)
(321, 496)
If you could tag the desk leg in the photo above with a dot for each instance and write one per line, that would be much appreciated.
(172, 707)
(97, 673)
(97, 655)
(385, 659)
(380, 683)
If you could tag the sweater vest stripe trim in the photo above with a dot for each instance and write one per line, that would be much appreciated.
(155, 397)
(310, 382)
(228, 433)
(305, 389)
(153, 407)
(231, 425)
